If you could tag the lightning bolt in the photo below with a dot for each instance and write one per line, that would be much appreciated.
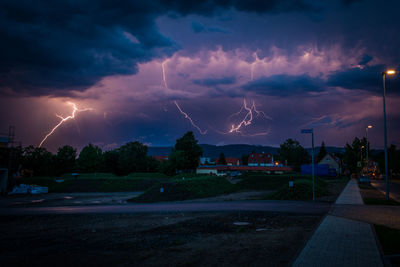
(62, 120)
(253, 65)
(164, 83)
(164, 80)
(189, 119)
(248, 119)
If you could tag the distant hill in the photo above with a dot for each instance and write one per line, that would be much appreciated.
(237, 151)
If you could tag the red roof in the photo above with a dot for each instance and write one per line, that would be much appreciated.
(233, 161)
(246, 168)
(161, 158)
(260, 158)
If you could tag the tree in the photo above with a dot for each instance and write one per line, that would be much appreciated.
(90, 159)
(352, 154)
(191, 151)
(39, 160)
(322, 152)
(65, 159)
(222, 159)
(184, 157)
(293, 153)
(132, 158)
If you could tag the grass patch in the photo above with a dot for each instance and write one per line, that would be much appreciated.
(271, 182)
(389, 239)
(176, 190)
(301, 190)
(373, 196)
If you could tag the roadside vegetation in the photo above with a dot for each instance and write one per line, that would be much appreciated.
(389, 239)
(373, 196)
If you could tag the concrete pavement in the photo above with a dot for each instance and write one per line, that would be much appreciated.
(342, 242)
(300, 207)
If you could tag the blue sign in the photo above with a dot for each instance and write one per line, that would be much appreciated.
(307, 131)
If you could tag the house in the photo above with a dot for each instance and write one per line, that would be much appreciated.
(229, 161)
(205, 161)
(161, 158)
(261, 159)
(332, 161)
(222, 170)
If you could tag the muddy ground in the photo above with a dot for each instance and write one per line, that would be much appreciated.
(162, 239)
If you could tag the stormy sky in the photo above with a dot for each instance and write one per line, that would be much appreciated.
(248, 72)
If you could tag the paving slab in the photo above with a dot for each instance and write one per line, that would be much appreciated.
(350, 194)
(341, 242)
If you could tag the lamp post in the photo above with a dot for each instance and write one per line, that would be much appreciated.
(366, 135)
(388, 72)
(311, 131)
(361, 161)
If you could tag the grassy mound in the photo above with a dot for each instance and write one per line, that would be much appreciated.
(255, 181)
(302, 190)
(176, 190)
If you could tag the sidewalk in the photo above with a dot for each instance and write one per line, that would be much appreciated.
(342, 242)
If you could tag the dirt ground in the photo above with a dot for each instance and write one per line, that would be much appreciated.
(115, 198)
(162, 239)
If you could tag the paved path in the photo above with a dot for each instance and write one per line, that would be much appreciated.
(351, 194)
(301, 207)
(340, 241)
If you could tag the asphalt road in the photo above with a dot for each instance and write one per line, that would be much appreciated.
(300, 207)
(394, 188)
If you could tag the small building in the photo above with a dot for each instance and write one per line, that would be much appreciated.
(261, 159)
(222, 170)
(4, 141)
(206, 161)
(332, 161)
(229, 161)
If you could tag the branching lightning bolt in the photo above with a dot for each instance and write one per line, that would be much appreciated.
(164, 83)
(248, 118)
(189, 119)
(72, 116)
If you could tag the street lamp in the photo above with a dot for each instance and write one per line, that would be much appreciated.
(361, 162)
(388, 72)
(311, 131)
(366, 135)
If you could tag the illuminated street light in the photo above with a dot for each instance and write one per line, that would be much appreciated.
(366, 135)
(388, 72)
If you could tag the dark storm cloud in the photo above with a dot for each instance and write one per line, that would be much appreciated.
(368, 78)
(215, 82)
(285, 85)
(365, 59)
(52, 45)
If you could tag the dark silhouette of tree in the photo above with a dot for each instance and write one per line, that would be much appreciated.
(222, 159)
(65, 159)
(38, 160)
(132, 158)
(293, 153)
(322, 152)
(90, 159)
(352, 155)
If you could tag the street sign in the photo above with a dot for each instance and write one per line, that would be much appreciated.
(307, 131)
